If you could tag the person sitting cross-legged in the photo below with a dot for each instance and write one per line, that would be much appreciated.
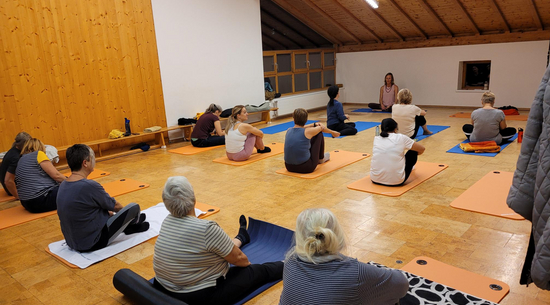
(90, 218)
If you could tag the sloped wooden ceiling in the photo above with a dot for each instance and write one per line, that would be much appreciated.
(353, 25)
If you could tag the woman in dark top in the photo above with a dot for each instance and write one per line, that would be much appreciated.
(207, 123)
(336, 116)
(305, 144)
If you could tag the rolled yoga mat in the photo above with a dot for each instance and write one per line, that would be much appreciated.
(457, 150)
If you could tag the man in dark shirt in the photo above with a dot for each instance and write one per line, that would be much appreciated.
(86, 211)
(9, 164)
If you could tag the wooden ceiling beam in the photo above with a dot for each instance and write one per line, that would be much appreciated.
(302, 17)
(371, 32)
(266, 29)
(272, 43)
(535, 13)
(432, 13)
(389, 26)
(331, 20)
(269, 19)
(465, 12)
(494, 5)
(398, 8)
(267, 44)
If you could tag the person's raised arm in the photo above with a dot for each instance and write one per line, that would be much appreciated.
(418, 148)
(237, 258)
(48, 167)
(218, 127)
(9, 182)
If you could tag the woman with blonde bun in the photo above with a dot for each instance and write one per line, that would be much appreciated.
(316, 272)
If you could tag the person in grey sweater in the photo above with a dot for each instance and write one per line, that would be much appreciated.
(316, 272)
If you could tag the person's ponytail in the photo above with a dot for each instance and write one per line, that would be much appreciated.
(233, 118)
(332, 93)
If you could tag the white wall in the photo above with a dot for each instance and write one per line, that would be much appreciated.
(209, 52)
(287, 104)
(432, 73)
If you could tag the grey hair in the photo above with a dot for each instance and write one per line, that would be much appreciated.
(488, 98)
(213, 108)
(20, 139)
(178, 196)
(319, 238)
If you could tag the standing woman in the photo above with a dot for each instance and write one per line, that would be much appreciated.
(409, 117)
(336, 116)
(305, 144)
(388, 94)
(242, 138)
(390, 165)
(207, 123)
(37, 179)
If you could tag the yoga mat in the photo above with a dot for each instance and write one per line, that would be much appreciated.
(422, 171)
(460, 279)
(488, 196)
(282, 127)
(467, 115)
(18, 215)
(433, 128)
(368, 110)
(338, 159)
(97, 173)
(360, 126)
(4, 196)
(191, 150)
(123, 186)
(123, 242)
(276, 148)
(457, 150)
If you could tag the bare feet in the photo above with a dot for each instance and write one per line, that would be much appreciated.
(335, 134)
(427, 132)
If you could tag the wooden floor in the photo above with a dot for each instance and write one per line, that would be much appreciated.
(380, 229)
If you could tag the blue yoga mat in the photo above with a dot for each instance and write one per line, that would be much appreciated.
(360, 127)
(369, 110)
(268, 243)
(457, 150)
(281, 127)
(433, 128)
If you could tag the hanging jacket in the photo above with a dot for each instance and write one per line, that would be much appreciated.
(530, 191)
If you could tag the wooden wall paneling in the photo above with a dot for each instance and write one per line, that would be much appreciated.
(9, 122)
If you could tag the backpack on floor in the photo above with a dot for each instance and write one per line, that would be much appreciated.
(509, 110)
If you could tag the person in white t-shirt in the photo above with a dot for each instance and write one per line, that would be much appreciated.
(409, 117)
(390, 165)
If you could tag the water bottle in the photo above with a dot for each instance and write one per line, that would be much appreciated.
(377, 131)
(520, 135)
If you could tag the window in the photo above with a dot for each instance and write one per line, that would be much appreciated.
(474, 75)
(300, 71)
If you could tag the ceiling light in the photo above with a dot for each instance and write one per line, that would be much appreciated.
(373, 3)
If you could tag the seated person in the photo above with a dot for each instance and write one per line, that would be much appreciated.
(192, 255)
(336, 116)
(270, 94)
(488, 123)
(388, 94)
(241, 138)
(207, 123)
(390, 165)
(409, 117)
(316, 271)
(305, 144)
(9, 164)
(37, 180)
(86, 211)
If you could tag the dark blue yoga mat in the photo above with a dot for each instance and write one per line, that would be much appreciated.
(268, 243)
(281, 127)
(360, 126)
(457, 150)
(433, 128)
(369, 110)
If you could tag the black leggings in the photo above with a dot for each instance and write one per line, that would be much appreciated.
(345, 129)
(410, 160)
(44, 203)
(210, 141)
(419, 121)
(239, 282)
(506, 133)
(378, 106)
(317, 152)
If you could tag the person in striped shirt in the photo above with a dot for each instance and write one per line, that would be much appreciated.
(192, 255)
(316, 272)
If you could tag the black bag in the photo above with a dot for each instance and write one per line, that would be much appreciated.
(226, 113)
(184, 121)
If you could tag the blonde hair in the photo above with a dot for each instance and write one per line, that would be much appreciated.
(488, 98)
(318, 238)
(404, 96)
(233, 118)
(33, 145)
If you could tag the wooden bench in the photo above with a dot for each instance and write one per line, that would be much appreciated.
(266, 116)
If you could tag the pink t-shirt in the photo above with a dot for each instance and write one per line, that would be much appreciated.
(388, 98)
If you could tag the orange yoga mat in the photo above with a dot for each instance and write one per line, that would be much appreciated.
(338, 159)
(209, 209)
(97, 173)
(460, 279)
(488, 196)
(191, 150)
(467, 115)
(4, 196)
(276, 148)
(123, 186)
(422, 171)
